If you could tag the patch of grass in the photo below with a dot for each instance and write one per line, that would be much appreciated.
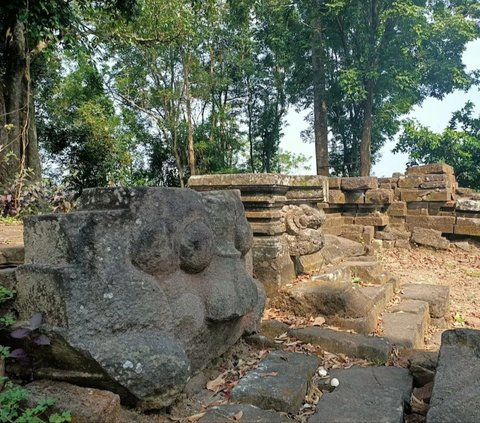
(10, 220)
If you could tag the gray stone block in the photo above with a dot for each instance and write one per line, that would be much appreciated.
(280, 382)
(437, 297)
(456, 387)
(372, 348)
(405, 325)
(365, 395)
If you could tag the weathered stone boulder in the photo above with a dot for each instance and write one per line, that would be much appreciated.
(140, 288)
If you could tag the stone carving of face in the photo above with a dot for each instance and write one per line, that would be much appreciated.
(140, 288)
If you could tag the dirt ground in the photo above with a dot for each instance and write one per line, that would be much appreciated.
(11, 235)
(458, 267)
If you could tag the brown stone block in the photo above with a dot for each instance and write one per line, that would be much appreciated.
(267, 214)
(385, 185)
(468, 222)
(431, 168)
(379, 196)
(359, 183)
(379, 220)
(333, 221)
(307, 194)
(435, 185)
(397, 208)
(467, 230)
(412, 195)
(268, 228)
(440, 223)
(251, 201)
(391, 182)
(410, 181)
(354, 197)
(335, 196)
(334, 182)
(368, 234)
(438, 195)
(397, 219)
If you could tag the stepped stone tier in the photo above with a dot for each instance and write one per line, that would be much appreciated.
(285, 218)
(421, 207)
(139, 288)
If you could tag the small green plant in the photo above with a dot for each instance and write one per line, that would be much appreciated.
(458, 318)
(13, 398)
(356, 279)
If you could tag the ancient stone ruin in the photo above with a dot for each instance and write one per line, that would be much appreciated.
(286, 222)
(293, 217)
(140, 288)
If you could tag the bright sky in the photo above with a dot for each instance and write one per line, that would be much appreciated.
(433, 113)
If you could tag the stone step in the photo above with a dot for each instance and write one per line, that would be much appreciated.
(372, 348)
(437, 297)
(365, 395)
(405, 324)
(456, 387)
(280, 382)
(340, 301)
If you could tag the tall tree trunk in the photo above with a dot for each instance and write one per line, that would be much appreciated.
(319, 95)
(18, 137)
(366, 142)
(188, 104)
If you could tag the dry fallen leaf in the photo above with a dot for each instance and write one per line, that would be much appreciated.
(318, 321)
(218, 383)
(196, 417)
(237, 417)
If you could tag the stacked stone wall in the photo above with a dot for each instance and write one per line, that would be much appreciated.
(388, 209)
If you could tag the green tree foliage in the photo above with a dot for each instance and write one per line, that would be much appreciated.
(174, 88)
(458, 145)
(380, 58)
(27, 30)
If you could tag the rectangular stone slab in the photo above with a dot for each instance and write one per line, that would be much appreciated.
(406, 323)
(365, 395)
(372, 348)
(456, 387)
(280, 382)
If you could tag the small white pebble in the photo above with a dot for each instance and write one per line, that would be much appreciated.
(334, 382)
(322, 372)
